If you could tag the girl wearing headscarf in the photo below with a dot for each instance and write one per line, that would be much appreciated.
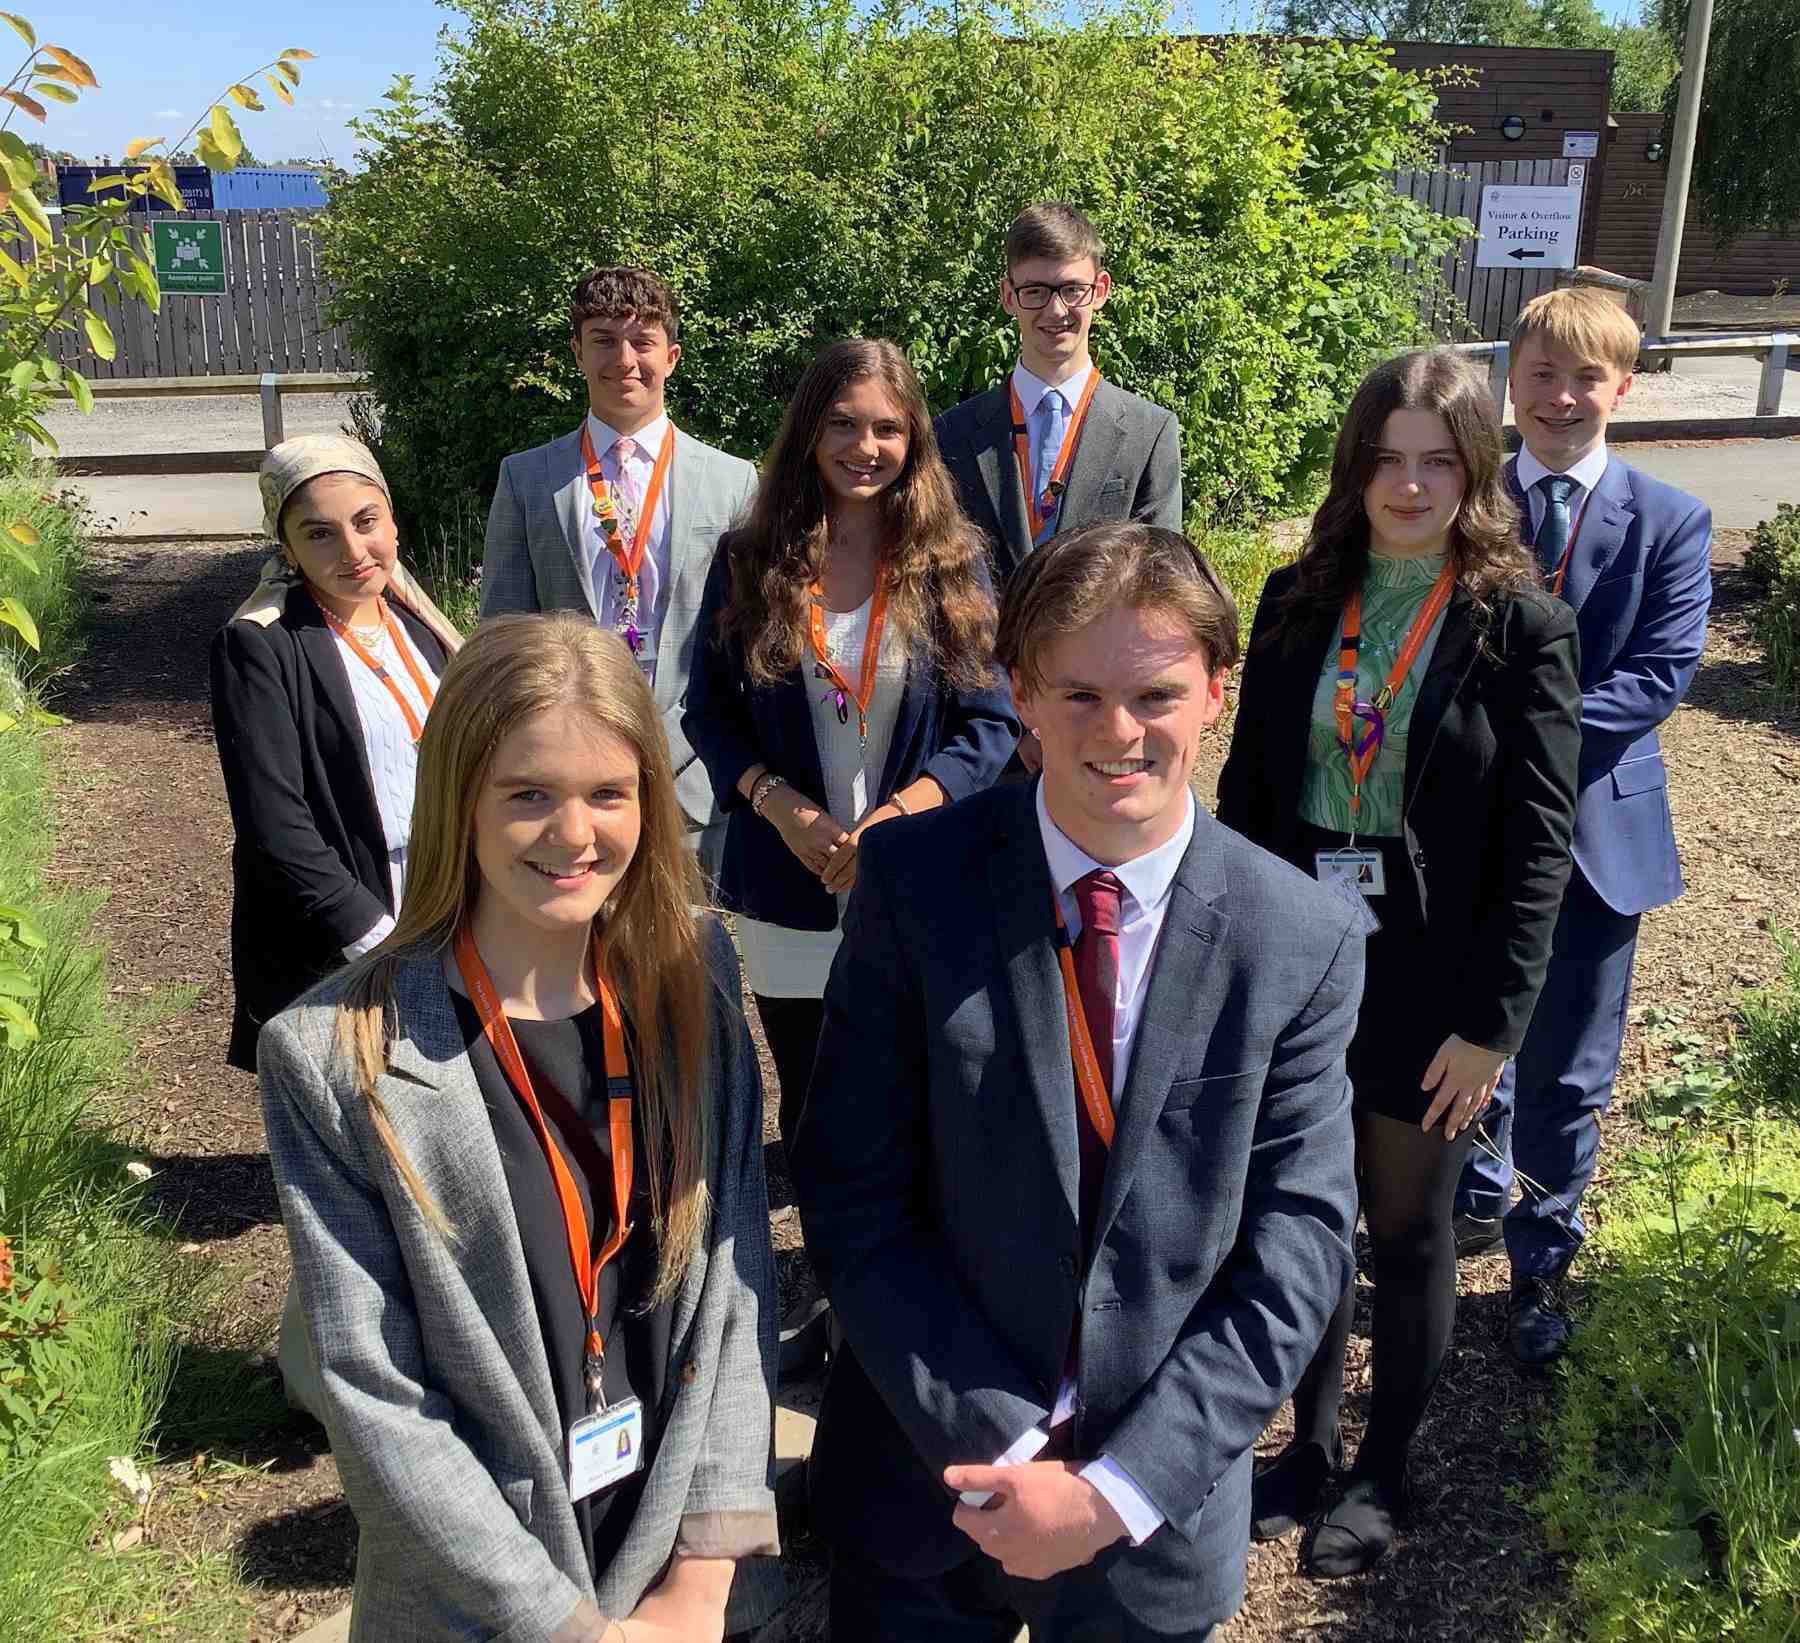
(321, 682)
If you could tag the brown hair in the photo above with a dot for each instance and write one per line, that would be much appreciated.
(513, 668)
(624, 293)
(1582, 322)
(1076, 578)
(1054, 231)
(932, 554)
(1484, 541)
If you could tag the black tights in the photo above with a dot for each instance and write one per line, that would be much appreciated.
(792, 1027)
(1407, 1181)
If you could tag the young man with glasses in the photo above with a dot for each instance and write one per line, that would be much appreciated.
(1057, 446)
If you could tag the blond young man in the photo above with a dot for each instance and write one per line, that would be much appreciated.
(1632, 556)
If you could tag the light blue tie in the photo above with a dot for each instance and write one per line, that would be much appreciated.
(1052, 421)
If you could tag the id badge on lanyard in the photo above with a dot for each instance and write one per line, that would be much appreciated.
(605, 1448)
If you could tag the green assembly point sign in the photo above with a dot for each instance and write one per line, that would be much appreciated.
(190, 257)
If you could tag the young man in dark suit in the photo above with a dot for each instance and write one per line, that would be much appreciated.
(1075, 1167)
(1632, 556)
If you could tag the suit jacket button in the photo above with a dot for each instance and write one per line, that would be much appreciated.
(1067, 1263)
(690, 1372)
(1419, 860)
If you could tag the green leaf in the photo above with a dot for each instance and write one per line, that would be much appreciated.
(24, 533)
(245, 97)
(297, 51)
(99, 269)
(288, 72)
(19, 23)
(99, 335)
(55, 91)
(13, 270)
(279, 87)
(25, 559)
(15, 615)
(72, 66)
(17, 983)
(16, 1024)
(80, 392)
(226, 135)
(25, 933)
(23, 375)
(211, 155)
(31, 212)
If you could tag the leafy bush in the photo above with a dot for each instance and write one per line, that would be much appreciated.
(801, 170)
(1773, 560)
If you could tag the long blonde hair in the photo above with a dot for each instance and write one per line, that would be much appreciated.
(511, 669)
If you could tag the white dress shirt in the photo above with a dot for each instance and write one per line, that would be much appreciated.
(1586, 474)
(1148, 881)
(1030, 390)
(653, 574)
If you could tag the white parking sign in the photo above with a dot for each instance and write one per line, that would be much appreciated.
(1528, 226)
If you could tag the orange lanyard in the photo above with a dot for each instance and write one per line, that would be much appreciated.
(1094, 1094)
(499, 1034)
(630, 558)
(864, 691)
(1039, 510)
(375, 665)
(1361, 750)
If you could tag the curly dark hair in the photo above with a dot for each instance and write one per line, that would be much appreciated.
(931, 556)
(624, 292)
(1484, 541)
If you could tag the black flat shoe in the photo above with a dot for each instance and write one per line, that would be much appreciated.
(1536, 1330)
(1357, 1532)
(1286, 1492)
(1477, 1235)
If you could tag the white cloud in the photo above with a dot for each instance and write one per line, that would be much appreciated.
(169, 114)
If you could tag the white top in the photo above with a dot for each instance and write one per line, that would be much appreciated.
(1030, 389)
(393, 758)
(784, 963)
(1148, 881)
(653, 574)
(1586, 474)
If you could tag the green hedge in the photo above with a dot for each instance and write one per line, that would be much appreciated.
(801, 172)
(1773, 561)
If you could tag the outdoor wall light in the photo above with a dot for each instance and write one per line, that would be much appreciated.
(1512, 128)
(1655, 149)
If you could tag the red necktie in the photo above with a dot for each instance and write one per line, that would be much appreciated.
(1096, 955)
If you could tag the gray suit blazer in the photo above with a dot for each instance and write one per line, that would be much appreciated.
(534, 561)
(1127, 465)
(434, 1379)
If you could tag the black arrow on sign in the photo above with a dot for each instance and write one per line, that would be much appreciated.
(1520, 254)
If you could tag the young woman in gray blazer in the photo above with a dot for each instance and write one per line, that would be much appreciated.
(519, 1154)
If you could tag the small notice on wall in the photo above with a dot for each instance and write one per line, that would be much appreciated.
(1581, 145)
(1528, 226)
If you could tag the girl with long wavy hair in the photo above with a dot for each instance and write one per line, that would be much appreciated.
(844, 675)
(518, 1152)
(1408, 728)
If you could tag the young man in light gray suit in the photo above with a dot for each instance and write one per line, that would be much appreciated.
(620, 517)
(1075, 1167)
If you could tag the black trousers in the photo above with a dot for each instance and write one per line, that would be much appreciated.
(979, 1602)
(792, 1027)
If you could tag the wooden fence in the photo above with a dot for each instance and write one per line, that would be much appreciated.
(271, 318)
(1479, 304)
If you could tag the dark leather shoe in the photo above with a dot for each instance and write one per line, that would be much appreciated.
(1477, 1235)
(1536, 1330)
(1357, 1532)
(1285, 1493)
(803, 1337)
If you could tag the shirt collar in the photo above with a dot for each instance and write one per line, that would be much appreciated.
(1147, 878)
(1031, 389)
(1586, 473)
(649, 438)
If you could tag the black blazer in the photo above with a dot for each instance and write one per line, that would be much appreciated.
(1489, 798)
(960, 738)
(309, 860)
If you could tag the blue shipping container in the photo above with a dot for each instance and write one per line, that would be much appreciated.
(251, 188)
(194, 181)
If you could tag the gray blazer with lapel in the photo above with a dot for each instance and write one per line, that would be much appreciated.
(434, 1379)
(1127, 465)
(937, 1169)
(534, 561)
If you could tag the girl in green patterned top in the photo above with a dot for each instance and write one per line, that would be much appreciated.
(1408, 726)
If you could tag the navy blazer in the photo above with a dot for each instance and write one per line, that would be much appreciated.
(960, 738)
(1487, 803)
(309, 867)
(936, 1166)
(1640, 584)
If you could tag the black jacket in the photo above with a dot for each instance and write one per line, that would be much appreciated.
(1489, 798)
(309, 861)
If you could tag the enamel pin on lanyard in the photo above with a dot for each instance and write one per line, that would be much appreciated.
(606, 1445)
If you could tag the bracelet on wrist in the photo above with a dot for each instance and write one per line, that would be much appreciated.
(761, 788)
(899, 804)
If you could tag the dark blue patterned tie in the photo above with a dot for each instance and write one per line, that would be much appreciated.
(1553, 535)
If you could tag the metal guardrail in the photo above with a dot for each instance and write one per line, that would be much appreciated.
(1772, 348)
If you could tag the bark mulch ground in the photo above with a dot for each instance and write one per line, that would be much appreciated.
(143, 815)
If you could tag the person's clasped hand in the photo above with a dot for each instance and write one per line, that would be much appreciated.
(840, 871)
(1044, 1518)
(815, 836)
(1464, 1076)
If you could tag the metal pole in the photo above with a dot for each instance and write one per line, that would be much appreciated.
(1681, 169)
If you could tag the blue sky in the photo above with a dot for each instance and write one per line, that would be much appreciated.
(160, 67)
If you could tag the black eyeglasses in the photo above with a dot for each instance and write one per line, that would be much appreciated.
(1075, 294)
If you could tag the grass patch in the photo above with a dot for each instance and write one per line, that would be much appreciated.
(1245, 557)
(1676, 1490)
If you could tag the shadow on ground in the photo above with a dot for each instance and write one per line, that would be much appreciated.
(202, 1199)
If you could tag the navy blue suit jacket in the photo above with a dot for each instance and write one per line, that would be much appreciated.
(937, 1170)
(961, 739)
(1640, 584)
